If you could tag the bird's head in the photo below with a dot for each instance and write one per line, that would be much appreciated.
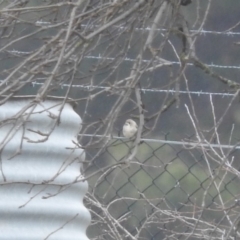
(131, 123)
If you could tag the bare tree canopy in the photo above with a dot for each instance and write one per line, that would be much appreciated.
(167, 68)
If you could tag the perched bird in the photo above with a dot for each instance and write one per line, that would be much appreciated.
(129, 128)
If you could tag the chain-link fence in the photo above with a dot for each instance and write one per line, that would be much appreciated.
(169, 191)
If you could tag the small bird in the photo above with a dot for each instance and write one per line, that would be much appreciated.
(129, 128)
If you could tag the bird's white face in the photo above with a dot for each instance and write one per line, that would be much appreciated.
(129, 128)
(127, 124)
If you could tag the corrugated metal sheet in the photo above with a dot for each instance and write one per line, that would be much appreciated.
(45, 210)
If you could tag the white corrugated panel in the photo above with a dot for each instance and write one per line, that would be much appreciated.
(45, 210)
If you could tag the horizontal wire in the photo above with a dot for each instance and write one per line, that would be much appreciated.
(144, 90)
(191, 144)
(133, 60)
(167, 61)
(203, 32)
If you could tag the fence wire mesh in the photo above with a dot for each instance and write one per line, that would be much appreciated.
(167, 192)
